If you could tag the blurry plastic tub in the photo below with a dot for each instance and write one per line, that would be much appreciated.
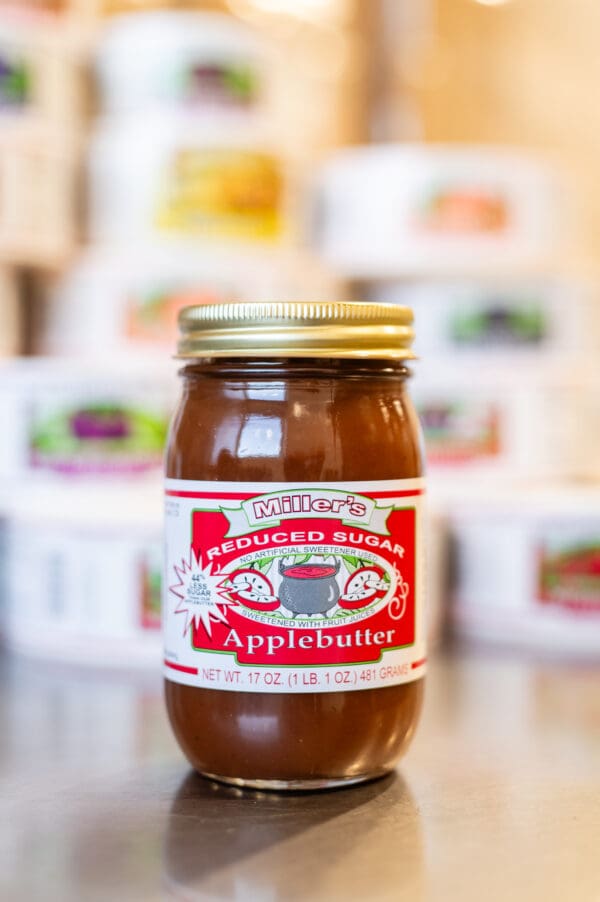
(174, 177)
(473, 317)
(196, 61)
(82, 574)
(72, 420)
(509, 419)
(527, 568)
(115, 301)
(394, 210)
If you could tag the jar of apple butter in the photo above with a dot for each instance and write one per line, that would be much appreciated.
(293, 610)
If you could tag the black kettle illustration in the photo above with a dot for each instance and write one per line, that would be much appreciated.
(309, 588)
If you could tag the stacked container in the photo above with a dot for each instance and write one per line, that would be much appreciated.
(79, 481)
(190, 199)
(190, 195)
(472, 239)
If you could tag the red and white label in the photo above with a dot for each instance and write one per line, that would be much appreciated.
(312, 587)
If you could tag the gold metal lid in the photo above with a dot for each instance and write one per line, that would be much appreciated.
(296, 329)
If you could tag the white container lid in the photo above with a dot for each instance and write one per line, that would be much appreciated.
(455, 501)
(505, 374)
(27, 373)
(86, 506)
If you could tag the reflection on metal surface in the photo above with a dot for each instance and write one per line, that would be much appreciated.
(221, 843)
(503, 799)
(60, 716)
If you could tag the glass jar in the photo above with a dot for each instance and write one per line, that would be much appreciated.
(294, 621)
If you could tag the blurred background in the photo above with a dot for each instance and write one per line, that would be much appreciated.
(436, 153)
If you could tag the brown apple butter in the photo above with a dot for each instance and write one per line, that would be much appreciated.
(294, 624)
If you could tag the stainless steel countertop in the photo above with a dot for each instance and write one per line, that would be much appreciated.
(498, 798)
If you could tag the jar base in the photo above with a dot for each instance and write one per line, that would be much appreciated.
(295, 785)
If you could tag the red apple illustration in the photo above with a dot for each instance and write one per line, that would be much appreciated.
(363, 587)
(252, 589)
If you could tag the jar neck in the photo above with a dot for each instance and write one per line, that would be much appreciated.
(294, 368)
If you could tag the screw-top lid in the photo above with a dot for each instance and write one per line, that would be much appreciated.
(296, 329)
